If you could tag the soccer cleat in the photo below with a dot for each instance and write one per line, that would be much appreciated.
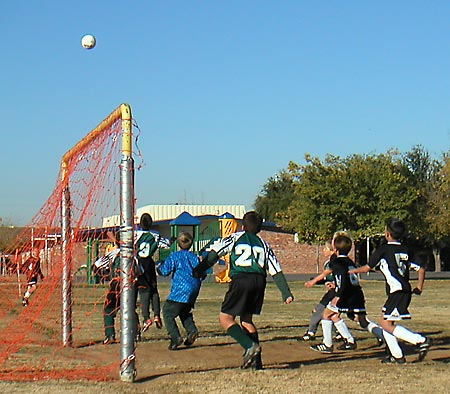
(257, 364)
(322, 348)
(309, 336)
(191, 337)
(158, 322)
(147, 325)
(109, 339)
(423, 348)
(174, 343)
(392, 360)
(25, 302)
(347, 345)
(250, 354)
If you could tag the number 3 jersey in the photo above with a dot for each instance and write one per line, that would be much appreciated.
(249, 253)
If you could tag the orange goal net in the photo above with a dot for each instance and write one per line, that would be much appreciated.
(55, 277)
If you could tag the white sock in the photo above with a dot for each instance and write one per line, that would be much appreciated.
(344, 331)
(408, 336)
(392, 344)
(327, 327)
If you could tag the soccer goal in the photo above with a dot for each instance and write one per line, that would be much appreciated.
(45, 329)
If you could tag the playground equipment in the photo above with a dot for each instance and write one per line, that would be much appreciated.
(228, 226)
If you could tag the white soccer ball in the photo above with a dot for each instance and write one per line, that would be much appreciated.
(88, 41)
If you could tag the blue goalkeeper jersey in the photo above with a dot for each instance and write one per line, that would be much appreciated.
(185, 288)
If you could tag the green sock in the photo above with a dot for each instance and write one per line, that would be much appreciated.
(235, 332)
(253, 336)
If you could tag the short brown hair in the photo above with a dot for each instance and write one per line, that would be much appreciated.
(184, 240)
(343, 244)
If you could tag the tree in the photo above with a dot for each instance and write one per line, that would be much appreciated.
(422, 172)
(438, 214)
(356, 193)
(276, 195)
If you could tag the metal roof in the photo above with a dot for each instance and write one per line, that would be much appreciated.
(169, 212)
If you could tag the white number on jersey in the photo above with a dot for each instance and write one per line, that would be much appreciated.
(246, 252)
(144, 250)
(401, 259)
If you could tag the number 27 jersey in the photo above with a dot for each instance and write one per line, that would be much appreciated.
(249, 254)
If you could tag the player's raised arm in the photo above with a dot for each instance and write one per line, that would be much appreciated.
(360, 270)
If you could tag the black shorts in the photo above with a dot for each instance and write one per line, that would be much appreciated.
(396, 306)
(327, 297)
(245, 295)
(352, 302)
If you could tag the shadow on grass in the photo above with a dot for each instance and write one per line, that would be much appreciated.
(440, 343)
(175, 373)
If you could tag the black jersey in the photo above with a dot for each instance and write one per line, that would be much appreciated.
(345, 283)
(351, 296)
(394, 261)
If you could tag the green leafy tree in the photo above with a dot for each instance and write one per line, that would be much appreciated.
(356, 193)
(438, 214)
(276, 195)
(422, 172)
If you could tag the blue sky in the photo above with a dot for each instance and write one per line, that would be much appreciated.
(231, 90)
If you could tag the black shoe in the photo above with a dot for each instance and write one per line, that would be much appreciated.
(174, 343)
(109, 340)
(393, 360)
(250, 354)
(257, 363)
(322, 348)
(191, 337)
(347, 346)
(308, 336)
(25, 302)
(423, 348)
(380, 342)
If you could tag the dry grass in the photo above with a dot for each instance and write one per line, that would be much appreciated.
(212, 366)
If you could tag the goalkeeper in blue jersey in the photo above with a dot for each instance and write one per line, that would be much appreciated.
(183, 292)
(251, 258)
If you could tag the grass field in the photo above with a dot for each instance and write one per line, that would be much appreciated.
(212, 364)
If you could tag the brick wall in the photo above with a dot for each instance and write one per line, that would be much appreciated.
(295, 258)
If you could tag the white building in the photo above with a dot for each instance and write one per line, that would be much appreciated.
(168, 212)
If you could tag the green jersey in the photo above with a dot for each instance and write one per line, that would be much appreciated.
(147, 243)
(249, 253)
